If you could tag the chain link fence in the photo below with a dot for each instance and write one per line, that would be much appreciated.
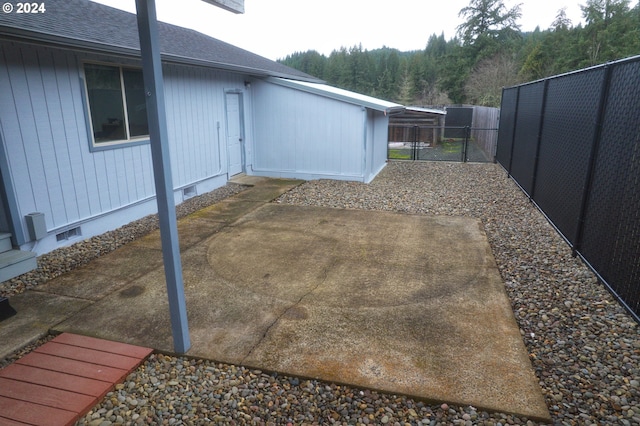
(442, 143)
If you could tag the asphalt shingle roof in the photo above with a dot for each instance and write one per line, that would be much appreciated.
(87, 25)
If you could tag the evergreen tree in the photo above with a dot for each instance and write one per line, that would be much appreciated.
(457, 63)
(310, 62)
(608, 23)
(488, 18)
(561, 23)
(388, 74)
(489, 52)
(336, 71)
(361, 71)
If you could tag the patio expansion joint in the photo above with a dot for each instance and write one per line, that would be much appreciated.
(53, 293)
(325, 274)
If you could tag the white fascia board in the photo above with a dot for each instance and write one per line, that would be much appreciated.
(339, 94)
(427, 110)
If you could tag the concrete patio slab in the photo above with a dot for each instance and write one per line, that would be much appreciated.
(37, 311)
(407, 304)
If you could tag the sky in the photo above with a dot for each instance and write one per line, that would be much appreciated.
(277, 28)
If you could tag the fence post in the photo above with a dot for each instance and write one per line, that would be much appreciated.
(593, 157)
(467, 133)
(536, 160)
(513, 133)
(414, 151)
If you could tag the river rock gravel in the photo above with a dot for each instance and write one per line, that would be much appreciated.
(584, 347)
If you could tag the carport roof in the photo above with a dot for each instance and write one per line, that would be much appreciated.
(340, 94)
(426, 110)
(85, 25)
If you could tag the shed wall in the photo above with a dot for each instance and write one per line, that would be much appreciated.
(303, 135)
(377, 140)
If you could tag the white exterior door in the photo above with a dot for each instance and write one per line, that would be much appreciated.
(234, 134)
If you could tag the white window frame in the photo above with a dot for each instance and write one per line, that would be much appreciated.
(129, 141)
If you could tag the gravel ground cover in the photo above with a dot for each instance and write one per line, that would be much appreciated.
(584, 347)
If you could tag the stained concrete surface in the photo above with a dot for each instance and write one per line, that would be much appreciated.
(402, 303)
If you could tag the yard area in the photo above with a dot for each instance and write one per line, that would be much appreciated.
(445, 150)
(583, 345)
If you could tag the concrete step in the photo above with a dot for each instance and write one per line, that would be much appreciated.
(16, 262)
(5, 242)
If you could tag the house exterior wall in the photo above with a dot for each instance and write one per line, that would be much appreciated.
(44, 131)
(48, 164)
(307, 136)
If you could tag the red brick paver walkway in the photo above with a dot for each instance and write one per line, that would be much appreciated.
(60, 381)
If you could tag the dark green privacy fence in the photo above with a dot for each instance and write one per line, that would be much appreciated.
(572, 143)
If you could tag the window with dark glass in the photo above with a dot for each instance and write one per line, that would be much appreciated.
(117, 104)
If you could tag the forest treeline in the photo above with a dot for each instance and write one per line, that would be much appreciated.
(489, 52)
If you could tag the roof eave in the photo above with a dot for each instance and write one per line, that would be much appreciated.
(396, 110)
(21, 35)
(256, 72)
(426, 110)
(374, 106)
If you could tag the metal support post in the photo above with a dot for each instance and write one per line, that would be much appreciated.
(156, 113)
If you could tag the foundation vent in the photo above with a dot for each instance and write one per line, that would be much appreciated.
(68, 234)
(188, 192)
